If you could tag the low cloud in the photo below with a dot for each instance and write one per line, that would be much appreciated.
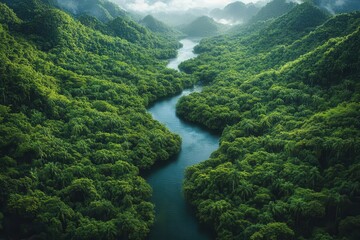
(295, 1)
(69, 5)
(332, 5)
(228, 22)
(172, 5)
(339, 3)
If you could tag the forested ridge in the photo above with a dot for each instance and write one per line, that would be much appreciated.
(74, 128)
(75, 133)
(285, 94)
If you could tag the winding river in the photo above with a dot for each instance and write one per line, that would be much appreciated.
(175, 220)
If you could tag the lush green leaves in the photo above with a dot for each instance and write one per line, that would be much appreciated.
(74, 127)
(286, 97)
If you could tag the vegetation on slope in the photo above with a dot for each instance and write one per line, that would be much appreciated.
(103, 10)
(119, 25)
(288, 105)
(157, 26)
(273, 9)
(202, 27)
(74, 128)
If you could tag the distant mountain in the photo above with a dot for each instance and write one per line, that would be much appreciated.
(126, 28)
(202, 27)
(176, 19)
(101, 9)
(157, 26)
(117, 23)
(235, 12)
(273, 9)
(339, 6)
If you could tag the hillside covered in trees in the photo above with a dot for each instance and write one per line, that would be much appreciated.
(159, 27)
(74, 127)
(283, 91)
(285, 94)
(203, 26)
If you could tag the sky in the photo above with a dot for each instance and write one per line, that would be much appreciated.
(153, 6)
(173, 5)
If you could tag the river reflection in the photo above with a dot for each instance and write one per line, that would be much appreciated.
(174, 218)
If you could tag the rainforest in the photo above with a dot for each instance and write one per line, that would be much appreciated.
(265, 147)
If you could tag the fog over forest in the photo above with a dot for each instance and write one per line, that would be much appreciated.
(171, 5)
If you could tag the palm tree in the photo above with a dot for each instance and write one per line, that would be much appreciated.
(234, 178)
(245, 190)
(313, 176)
(297, 207)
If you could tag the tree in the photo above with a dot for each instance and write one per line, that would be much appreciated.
(81, 190)
(274, 231)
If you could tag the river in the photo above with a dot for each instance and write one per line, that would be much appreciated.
(174, 219)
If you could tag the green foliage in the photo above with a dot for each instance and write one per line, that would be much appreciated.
(101, 9)
(274, 231)
(26, 10)
(285, 95)
(74, 128)
(157, 26)
(7, 16)
(273, 9)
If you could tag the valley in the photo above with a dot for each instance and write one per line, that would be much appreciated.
(241, 121)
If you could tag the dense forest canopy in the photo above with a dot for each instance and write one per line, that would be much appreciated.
(74, 127)
(285, 94)
(273, 9)
(283, 90)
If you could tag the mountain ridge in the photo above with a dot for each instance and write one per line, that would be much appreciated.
(76, 136)
(203, 26)
(74, 127)
(235, 12)
(287, 109)
(159, 27)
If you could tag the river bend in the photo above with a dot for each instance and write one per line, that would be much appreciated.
(174, 219)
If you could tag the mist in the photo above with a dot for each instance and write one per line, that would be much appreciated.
(70, 5)
(180, 12)
(337, 6)
(151, 6)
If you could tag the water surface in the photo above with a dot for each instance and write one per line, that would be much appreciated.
(184, 53)
(174, 218)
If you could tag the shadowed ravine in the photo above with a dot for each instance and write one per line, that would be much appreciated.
(174, 218)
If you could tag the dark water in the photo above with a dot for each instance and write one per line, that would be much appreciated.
(174, 218)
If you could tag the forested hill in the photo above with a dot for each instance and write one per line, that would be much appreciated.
(103, 10)
(203, 27)
(119, 24)
(158, 27)
(286, 95)
(273, 9)
(74, 128)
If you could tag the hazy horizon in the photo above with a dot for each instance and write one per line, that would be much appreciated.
(151, 6)
(203, 7)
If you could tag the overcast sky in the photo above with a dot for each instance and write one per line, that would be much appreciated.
(173, 5)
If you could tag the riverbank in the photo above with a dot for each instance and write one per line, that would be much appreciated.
(174, 217)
